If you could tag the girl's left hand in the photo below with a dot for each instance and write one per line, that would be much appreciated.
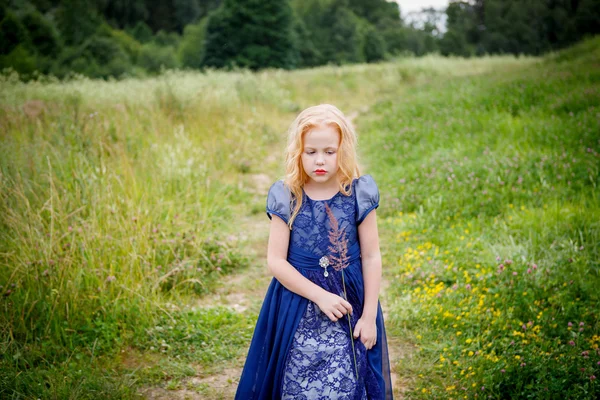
(367, 330)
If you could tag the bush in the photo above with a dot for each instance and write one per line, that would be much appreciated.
(374, 48)
(127, 42)
(153, 57)
(43, 35)
(191, 50)
(20, 60)
(163, 38)
(98, 57)
(142, 32)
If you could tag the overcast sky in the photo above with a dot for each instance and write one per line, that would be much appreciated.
(407, 6)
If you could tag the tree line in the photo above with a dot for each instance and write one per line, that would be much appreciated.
(117, 38)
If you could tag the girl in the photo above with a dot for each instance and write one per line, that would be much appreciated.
(302, 348)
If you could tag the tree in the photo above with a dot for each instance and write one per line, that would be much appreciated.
(43, 35)
(251, 33)
(308, 54)
(12, 33)
(374, 48)
(587, 18)
(461, 29)
(191, 50)
(142, 32)
(123, 13)
(186, 12)
(77, 20)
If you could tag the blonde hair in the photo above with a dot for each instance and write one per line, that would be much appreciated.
(312, 117)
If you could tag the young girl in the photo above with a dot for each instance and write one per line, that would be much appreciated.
(302, 348)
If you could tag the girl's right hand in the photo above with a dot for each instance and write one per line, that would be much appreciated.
(333, 306)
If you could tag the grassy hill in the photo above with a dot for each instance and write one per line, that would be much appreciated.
(123, 203)
(491, 193)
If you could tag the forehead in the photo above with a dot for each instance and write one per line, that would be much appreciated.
(322, 136)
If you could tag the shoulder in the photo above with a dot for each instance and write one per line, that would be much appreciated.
(365, 186)
(367, 196)
(278, 200)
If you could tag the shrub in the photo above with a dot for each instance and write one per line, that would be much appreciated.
(374, 48)
(191, 50)
(42, 33)
(20, 60)
(153, 57)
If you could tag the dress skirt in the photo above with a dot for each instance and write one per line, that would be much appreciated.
(297, 352)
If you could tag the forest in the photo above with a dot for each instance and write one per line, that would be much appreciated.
(118, 38)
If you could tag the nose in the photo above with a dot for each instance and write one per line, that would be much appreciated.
(320, 160)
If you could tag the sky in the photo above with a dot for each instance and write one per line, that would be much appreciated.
(414, 6)
(407, 6)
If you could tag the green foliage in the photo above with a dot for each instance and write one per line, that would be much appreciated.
(131, 46)
(42, 34)
(12, 34)
(163, 38)
(511, 26)
(373, 45)
(191, 48)
(186, 12)
(308, 55)
(141, 32)
(20, 60)
(336, 31)
(251, 34)
(77, 20)
(99, 57)
(153, 57)
(124, 13)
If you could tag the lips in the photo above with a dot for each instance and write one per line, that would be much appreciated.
(320, 171)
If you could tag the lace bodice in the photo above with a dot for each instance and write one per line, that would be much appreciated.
(310, 230)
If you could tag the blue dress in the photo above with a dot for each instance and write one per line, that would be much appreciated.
(297, 352)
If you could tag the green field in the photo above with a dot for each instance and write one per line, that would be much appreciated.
(132, 212)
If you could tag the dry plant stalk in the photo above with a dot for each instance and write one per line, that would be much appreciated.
(338, 249)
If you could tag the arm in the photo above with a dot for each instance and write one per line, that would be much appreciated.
(371, 266)
(279, 237)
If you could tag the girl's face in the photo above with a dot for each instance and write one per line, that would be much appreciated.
(319, 156)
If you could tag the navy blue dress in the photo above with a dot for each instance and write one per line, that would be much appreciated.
(297, 352)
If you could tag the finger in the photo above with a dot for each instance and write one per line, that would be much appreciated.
(332, 317)
(338, 313)
(341, 309)
(356, 332)
(347, 306)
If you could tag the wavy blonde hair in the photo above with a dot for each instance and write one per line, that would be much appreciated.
(312, 117)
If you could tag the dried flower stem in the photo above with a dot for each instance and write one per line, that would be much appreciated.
(339, 246)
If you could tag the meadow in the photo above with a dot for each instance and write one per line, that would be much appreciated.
(124, 204)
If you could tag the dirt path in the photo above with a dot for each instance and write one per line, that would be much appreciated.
(244, 292)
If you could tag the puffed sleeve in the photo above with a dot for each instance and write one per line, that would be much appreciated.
(278, 201)
(367, 197)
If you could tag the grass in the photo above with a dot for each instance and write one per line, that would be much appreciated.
(120, 204)
(493, 240)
